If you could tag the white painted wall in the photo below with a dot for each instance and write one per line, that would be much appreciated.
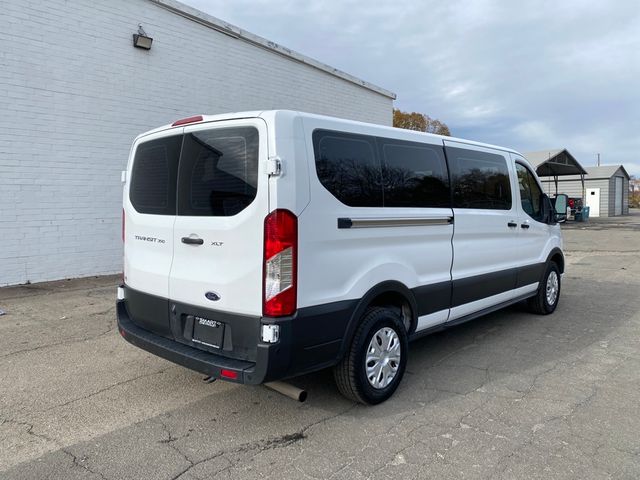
(73, 95)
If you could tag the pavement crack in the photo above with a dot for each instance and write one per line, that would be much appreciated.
(170, 442)
(29, 430)
(280, 441)
(39, 347)
(102, 390)
(111, 325)
(82, 463)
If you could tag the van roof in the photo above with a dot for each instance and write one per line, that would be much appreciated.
(271, 114)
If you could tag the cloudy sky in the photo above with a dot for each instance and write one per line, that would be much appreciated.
(531, 75)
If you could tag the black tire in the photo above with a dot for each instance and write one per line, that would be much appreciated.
(351, 373)
(539, 303)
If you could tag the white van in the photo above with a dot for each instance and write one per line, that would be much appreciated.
(264, 245)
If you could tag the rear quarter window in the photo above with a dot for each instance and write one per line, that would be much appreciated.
(348, 167)
(153, 176)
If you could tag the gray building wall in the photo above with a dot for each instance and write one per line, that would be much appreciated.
(573, 188)
(74, 93)
(625, 196)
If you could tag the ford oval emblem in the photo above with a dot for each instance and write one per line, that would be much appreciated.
(213, 296)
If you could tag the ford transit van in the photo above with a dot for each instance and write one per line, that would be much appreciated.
(263, 245)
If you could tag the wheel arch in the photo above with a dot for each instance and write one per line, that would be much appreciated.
(389, 293)
(556, 255)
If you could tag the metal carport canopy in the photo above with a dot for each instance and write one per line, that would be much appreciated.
(555, 163)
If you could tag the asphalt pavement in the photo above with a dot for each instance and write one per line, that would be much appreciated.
(511, 395)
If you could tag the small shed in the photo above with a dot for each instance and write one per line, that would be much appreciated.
(550, 165)
(606, 189)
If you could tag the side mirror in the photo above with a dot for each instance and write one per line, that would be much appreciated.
(560, 207)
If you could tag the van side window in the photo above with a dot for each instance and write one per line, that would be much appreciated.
(479, 179)
(414, 174)
(153, 178)
(218, 171)
(348, 167)
(367, 171)
(530, 193)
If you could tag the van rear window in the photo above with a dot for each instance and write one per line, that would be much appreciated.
(153, 179)
(218, 171)
(205, 173)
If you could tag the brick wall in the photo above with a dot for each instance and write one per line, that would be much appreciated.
(73, 95)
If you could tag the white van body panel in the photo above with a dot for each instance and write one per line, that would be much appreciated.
(433, 319)
(539, 239)
(229, 262)
(483, 241)
(148, 239)
(289, 189)
(364, 257)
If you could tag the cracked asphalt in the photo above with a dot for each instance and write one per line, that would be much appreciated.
(511, 395)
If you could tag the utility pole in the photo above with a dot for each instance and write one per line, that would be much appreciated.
(598, 159)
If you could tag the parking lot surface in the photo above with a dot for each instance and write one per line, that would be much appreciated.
(511, 395)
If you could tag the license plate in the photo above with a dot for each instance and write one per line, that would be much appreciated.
(208, 332)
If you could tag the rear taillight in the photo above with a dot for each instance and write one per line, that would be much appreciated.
(280, 264)
(572, 202)
(230, 374)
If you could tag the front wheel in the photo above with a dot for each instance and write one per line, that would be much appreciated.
(373, 366)
(546, 299)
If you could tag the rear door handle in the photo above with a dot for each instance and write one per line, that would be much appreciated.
(512, 224)
(524, 225)
(192, 241)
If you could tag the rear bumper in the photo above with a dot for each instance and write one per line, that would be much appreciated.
(309, 341)
(192, 358)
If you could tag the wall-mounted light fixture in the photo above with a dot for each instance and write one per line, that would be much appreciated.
(141, 39)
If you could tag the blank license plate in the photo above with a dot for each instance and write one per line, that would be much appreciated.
(208, 332)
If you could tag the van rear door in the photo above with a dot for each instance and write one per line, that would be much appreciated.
(149, 214)
(222, 201)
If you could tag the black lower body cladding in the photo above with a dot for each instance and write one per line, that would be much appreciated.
(309, 340)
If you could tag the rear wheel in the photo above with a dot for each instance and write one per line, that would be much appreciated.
(546, 299)
(373, 367)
